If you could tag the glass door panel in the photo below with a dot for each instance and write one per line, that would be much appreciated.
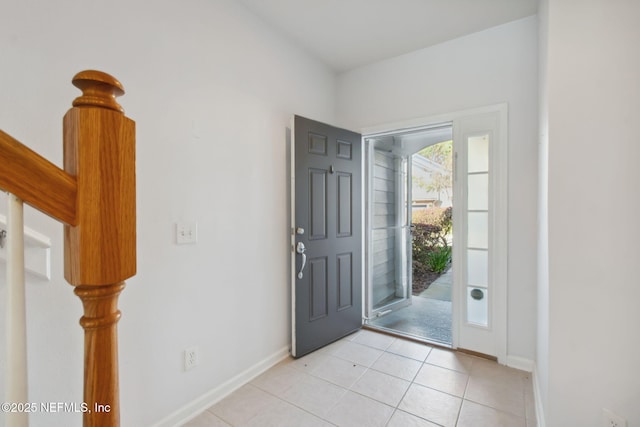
(389, 263)
(478, 214)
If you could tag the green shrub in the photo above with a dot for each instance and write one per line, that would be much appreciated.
(431, 227)
(426, 237)
(435, 216)
(430, 230)
(438, 259)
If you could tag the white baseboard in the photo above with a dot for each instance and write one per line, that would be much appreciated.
(538, 398)
(199, 405)
(529, 365)
(521, 363)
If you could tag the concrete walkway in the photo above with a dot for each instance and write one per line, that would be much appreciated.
(440, 289)
(429, 315)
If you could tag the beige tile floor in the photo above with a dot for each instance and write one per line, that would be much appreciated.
(370, 379)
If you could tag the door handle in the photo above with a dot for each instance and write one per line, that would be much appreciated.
(301, 249)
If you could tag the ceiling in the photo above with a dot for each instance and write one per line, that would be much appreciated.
(347, 34)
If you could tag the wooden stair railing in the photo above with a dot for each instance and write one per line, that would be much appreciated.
(94, 196)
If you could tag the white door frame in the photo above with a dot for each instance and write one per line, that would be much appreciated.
(499, 223)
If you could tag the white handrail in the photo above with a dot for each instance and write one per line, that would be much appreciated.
(16, 374)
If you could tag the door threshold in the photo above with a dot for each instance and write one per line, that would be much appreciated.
(410, 337)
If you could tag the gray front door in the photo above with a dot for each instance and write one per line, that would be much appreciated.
(327, 234)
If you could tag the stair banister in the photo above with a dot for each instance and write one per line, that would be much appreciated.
(94, 197)
(16, 338)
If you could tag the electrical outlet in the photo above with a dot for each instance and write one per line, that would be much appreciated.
(186, 232)
(191, 358)
(612, 420)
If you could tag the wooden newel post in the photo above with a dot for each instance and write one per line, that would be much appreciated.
(100, 250)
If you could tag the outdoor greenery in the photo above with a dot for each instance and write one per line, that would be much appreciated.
(438, 259)
(437, 217)
(439, 182)
(432, 227)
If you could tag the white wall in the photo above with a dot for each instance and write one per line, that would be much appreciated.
(211, 89)
(594, 291)
(489, 67)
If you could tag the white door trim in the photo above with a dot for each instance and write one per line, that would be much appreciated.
(427, 121)
(500, 220)
(490, 339)
(501, 227)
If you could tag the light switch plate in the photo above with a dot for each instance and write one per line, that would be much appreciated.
(186, 233)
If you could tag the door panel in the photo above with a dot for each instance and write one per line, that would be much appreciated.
(389, 258)
(345, 201)
(327, 212)
(345, 281)
(318, 204)
(319, 288)
(480, 232)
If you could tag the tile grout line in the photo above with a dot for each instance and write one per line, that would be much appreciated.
(464, 395)
(395, 408)
(291, 403)
(412, 382)
(367, 368)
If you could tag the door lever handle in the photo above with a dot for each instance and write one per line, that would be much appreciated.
(301, 249)
(304, 261)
